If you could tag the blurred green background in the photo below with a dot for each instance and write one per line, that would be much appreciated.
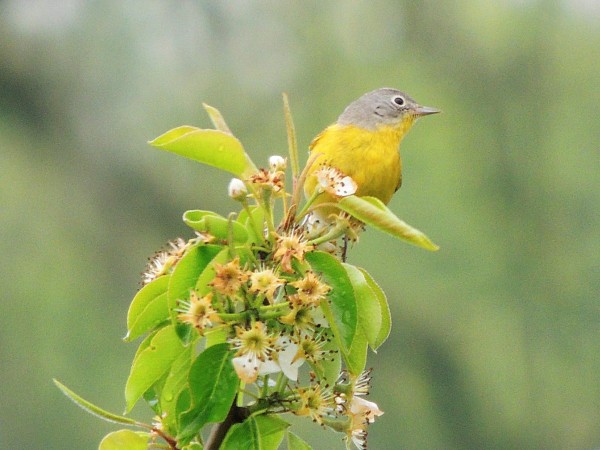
(496, 338)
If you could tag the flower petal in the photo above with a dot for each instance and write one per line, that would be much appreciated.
(246, 367)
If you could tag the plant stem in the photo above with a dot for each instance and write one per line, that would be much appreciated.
(230, 242)
(168, 439)
(338, 230)
(274, 307)
(255, 228)
(299, 183)
(281, 382)
(218, 432)
(308, 203)
(268, 209)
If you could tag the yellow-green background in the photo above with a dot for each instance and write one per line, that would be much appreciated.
(496, 338)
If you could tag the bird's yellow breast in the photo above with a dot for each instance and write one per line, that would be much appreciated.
(370, 158)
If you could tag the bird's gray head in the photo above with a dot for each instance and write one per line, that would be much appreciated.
(385, 106)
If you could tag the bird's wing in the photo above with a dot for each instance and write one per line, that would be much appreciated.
(316, 139)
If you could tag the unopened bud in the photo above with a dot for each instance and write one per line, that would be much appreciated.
(277, 163)
(237, 189)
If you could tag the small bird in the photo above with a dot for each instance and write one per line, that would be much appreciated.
(364, 144)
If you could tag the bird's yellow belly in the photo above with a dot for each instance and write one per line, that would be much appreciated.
(370, 158)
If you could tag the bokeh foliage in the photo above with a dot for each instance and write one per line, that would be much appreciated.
(496, 337)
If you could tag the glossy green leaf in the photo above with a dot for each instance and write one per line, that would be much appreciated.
(372, 211)
(256, 433)
(215, 225)
(144, 345)
(194, 216)
(91, 408)
(213, 385)
(341, 310)
(212, 147)
(384, 308)
(125, 440)
(148, 309)
(296, 443)
(356, 359)
(216, 336)
(369, 309)
(183, 404)
(219, 227)
(152, 363)
(175, 382)
(184, 278)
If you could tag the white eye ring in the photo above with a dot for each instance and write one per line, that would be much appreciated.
(399, 100)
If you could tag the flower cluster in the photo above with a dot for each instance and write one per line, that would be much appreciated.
(266, 301)
(272, 316)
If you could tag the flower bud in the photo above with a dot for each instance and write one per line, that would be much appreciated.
(237, 189)
(277, 162)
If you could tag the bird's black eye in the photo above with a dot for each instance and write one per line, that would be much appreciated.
(399, 100)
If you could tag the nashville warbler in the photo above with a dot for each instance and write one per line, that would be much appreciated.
(364, 145)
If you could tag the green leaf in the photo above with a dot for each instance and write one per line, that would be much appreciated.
(193, 446)
(215, 225)
(219, 227)
(341, 310)
(148, 309)
(356, 359)
(175, 382)
(254, 223)
(144, 345)
(193, 216)
(256, 433)
(369, 309)
(213, 385)
(328, 369)
(183, 404)
(152, 363)
(124, 440)
(184, 278)
(151, 396)
(208, 274)
(91, 408)
(216, 336)
(212, 147)
(296, 443)
(372, 211)
(384, 308)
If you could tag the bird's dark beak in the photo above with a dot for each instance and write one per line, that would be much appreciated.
(424, 111)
